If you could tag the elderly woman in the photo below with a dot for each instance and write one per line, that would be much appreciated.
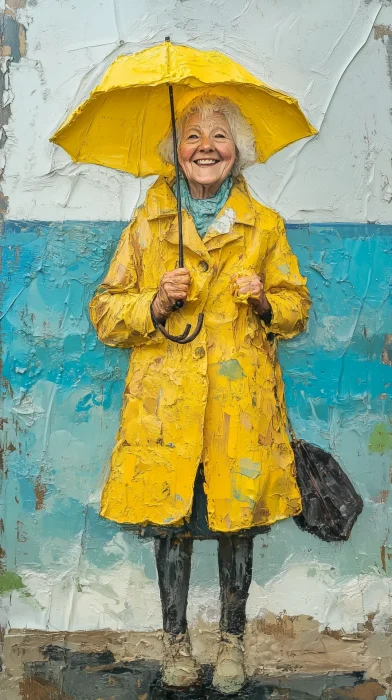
(202, 451)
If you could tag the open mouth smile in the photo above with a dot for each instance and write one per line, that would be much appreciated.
(206, 161)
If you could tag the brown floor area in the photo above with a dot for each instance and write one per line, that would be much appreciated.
(62, 678)
(287, 659)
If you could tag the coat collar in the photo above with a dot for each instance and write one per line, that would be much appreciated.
(239, 209)
(161, 202)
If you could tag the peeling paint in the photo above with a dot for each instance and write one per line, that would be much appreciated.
(13, 47)
(387, 350)
(382, 497)
(381, 30)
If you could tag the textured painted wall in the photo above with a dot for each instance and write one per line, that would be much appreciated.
(62, 406)
(67, 569)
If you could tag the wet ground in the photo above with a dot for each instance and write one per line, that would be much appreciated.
(64, 675)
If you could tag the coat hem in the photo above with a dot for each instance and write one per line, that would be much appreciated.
(180, 522)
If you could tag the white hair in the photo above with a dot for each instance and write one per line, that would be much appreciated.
(241, 130)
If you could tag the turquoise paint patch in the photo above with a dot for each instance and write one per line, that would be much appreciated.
(242, 497)
(231, 369)
(249, 468)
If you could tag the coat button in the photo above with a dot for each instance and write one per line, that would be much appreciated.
(203, 265)
(200, 352)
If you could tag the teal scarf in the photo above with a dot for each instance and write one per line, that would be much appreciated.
(204, 211)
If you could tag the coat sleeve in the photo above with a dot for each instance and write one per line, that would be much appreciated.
(120, 309)
(284, 286)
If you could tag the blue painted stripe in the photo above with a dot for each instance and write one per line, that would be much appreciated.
(350, 229)
(63, 388)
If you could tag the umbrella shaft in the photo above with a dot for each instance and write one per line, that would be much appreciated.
(177, 168)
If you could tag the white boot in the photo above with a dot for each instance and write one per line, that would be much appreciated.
(229, 676)
(180, 669)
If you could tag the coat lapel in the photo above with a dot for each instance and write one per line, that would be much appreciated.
(191, 238)
(237, 210)
(162, 204)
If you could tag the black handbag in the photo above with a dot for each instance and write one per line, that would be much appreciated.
(330, 503)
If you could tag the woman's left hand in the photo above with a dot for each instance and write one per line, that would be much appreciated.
(252, 287)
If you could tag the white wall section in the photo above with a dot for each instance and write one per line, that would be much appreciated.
(324, 53)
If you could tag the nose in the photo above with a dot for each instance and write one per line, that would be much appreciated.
(206, 144)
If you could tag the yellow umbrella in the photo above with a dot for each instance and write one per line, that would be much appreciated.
(127, 115)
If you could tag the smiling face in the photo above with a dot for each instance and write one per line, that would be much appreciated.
(206, 153)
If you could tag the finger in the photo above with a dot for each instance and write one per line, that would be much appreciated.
(176, 288)
(245, 288)
(180, 272)
(251, 279)
(170, 288)
(254, 289)
(174, 279)
(251, 283)
(248, 289)
(249, 293)
(243, 278)
(178, 295)
(178, 280)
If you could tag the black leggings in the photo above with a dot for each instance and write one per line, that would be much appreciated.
(173, 559)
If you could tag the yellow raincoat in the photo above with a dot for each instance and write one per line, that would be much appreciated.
(218, 400)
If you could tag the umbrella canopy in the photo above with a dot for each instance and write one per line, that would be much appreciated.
(127, 115)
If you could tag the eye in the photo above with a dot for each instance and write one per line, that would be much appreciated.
(219, 135)
(193, 136)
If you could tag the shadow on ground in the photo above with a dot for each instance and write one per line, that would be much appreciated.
(64, 675)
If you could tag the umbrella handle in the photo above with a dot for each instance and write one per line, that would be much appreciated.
(184, 338)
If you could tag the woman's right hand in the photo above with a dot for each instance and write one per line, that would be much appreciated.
(174, 286)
